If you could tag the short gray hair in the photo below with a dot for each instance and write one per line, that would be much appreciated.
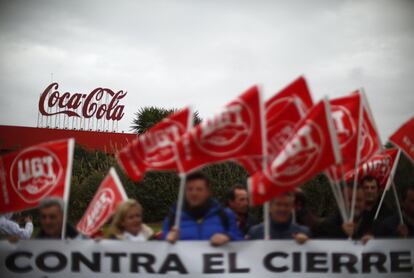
(52, 201)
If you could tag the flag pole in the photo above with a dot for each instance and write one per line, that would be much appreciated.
(380, 203)
(182, 175)
(390, 182)
(358, 157)
(265, 158)
(180, 201)
(336, 151)
(71, 146)
(397, 202)
(336, 196)
(344, 201)
(346, 191)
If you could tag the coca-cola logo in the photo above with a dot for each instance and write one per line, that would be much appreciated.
(34, 173)
(299, 156)
(228, 132)
(99, 211)
(344, 124)
(101, 103)
(157, 144)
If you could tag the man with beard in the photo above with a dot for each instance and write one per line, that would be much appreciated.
(360, 228)
(372, 192)
(237, 200)
(202, 218)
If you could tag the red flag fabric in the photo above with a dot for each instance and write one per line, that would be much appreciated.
(32, 174)
(379, 166)
(403, 138)
(154, 149)
(296, 91)
(346, 112)
(278, 130)
(283, 111)
(346, 115)
(109, 194)
(370, 142)
(235, 132)
(312, 149)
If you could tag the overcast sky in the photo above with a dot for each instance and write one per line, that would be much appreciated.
(204, 53)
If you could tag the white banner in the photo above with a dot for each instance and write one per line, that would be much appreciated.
(107, 258)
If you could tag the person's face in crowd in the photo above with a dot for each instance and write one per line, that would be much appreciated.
(359, 201)
(240, 204)
(408, 203)
(133, 220)
(197, 192)
(281, 208)
(371, 191)
(51, 220)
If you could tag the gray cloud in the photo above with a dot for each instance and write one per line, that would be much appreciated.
(204, 53)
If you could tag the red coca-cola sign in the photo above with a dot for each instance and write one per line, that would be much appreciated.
(101, 103)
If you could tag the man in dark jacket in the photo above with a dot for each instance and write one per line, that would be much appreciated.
(281, 226)
(360, 228)
(51, 220)
(392, 226)
(372, 193)
(202, 218)
(238, 201)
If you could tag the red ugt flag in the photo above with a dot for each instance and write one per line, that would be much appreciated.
(109, 194)
(235, 132)
(153, 150)
(297, 91)
(283, 111)
(346, 114)
(278, 130)
(370, 142)
(34, 173)
(380, 166)
(311, 150)
(404, 138)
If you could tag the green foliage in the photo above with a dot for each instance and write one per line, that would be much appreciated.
(157, 192)
(147, 117)
(319, 196)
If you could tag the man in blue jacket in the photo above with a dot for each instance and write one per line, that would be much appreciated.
(202, 218)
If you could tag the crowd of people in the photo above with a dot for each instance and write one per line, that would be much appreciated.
(204, 218)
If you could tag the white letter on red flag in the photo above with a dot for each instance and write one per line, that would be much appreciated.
(32, 174)
(235, 132)
(153, 150)
(312, 149)
(109, 194)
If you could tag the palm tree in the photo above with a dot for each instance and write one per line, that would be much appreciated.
(147, 117)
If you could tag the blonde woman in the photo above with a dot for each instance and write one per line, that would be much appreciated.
(127, 223)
